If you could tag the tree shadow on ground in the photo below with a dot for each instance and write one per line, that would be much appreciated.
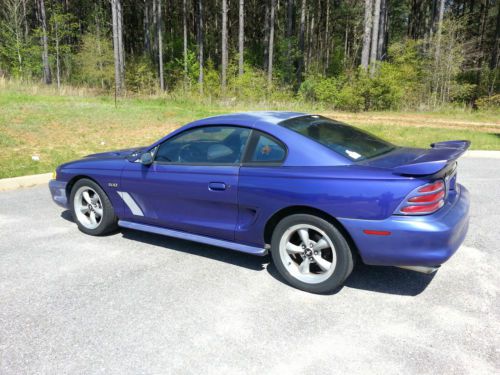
(388, 280)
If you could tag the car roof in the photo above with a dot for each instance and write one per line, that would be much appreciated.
(248, 118)
(302, 151)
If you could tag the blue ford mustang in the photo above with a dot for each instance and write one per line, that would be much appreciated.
(315, 192)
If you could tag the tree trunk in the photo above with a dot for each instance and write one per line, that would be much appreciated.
(147, 28)
(47, 77)
(375, 29)
(184, 36)
(302, 31)
(365, 53)
(58, 63)
(224, 46)
(432, 22)
(382, 30)
(25, 21)
(310, 40)
(266, 35)
(346, 44)
(439, 29)
(154, 27)
(327, 38)
(241, 36)
(271, 44)
(160, 46)
(120, 42)
(99, 48)
(494, 51)
(116, 47)
(200, 44)
(289, 34)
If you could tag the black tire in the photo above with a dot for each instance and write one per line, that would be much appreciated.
(344, 257)
(108, 221)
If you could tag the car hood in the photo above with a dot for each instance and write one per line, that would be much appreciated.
(117, 154)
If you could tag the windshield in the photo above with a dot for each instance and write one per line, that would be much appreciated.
(344, 139)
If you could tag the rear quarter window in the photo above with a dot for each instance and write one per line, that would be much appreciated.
(353, 143)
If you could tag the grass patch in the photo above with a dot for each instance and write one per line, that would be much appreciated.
(56, 129)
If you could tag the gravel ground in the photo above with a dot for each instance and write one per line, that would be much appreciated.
(135, 303)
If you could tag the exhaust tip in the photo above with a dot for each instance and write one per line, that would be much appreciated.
(421, 269)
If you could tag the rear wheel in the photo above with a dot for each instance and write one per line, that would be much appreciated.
(311, 253)
(91, 208)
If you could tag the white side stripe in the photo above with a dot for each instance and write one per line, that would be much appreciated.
(129, 201)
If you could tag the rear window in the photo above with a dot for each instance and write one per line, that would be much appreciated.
(344, 139)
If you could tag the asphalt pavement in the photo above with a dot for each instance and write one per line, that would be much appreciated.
(136, 303)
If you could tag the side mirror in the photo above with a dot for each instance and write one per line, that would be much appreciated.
(146, 158)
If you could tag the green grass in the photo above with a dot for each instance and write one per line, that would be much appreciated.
(60, 128)
(424, 136)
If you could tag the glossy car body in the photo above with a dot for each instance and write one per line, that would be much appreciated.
(237, 205)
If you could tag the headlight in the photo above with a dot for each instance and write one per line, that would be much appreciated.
(54, 175)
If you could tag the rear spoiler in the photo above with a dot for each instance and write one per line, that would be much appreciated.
(440, 155)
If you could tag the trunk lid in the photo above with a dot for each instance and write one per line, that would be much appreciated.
(439, 160)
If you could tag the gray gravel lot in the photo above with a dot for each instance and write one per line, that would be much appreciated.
(134, 303)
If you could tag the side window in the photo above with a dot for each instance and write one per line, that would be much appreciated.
(267, 150)
(205, 145)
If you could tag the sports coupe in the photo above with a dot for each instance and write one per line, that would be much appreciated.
(314, 192)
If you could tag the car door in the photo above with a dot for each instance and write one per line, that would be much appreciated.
(260, 186)
(192, 183)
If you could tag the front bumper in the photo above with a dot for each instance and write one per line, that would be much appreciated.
(58, 192)
(414, 240)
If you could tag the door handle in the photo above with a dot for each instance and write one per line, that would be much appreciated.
(217, 186)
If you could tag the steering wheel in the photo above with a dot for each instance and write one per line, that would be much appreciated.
(190, 154)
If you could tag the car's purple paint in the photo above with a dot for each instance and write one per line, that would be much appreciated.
(358, 195)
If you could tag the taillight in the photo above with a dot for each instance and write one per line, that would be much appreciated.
(425, 200)
(429, 198)
(436, 186)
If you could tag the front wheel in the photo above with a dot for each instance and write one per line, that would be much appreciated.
(91, 208)
(311, 253)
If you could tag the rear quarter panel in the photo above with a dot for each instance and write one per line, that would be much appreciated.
(343, 192)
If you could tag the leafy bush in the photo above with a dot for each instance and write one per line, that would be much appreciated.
(489, 102)
(349, 99)
(95, 65)
(141, 76)
(250, 86)
(462, 92)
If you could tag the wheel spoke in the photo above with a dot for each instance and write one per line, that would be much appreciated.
(322, 263)
(304, 236)
(321, 245)
(304, 266)
(294, 249)
(84, 209)
(86, 197)
(92, 218)
(98, 211)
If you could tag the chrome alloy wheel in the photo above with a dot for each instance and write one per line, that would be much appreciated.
(88, 207)
(307, 253)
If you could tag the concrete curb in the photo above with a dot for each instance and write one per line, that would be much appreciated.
(41, 179)
(24, 181)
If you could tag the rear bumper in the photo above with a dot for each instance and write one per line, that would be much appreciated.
(58, 192)
(414, 240)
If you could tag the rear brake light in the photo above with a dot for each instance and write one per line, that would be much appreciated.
(424, 200)
(429, 198)
(424, 209)
(436, 186)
